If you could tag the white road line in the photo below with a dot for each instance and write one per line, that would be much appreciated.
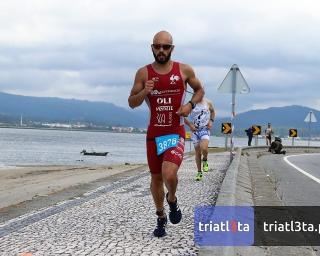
(299, 169)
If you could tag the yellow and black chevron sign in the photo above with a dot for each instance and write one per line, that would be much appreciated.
(226, 128)
(293, 133)
(256, 129)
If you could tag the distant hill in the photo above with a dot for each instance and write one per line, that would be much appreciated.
(46, 109)
(281, 119)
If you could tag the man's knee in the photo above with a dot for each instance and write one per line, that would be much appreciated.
(204, 146)
(205, 150)
(169, 172)
(170, 176)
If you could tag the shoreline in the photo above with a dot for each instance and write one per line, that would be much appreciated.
(21, 187)
(66, 129)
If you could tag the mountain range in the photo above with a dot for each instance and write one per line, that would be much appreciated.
(49, 109)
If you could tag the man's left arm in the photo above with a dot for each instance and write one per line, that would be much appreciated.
(212, 115)
(195, 84)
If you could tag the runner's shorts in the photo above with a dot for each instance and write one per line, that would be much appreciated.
(173, 155)
(200, 134)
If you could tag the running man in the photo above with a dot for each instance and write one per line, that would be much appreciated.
(162, 85)
(268, 132)
(202, 118)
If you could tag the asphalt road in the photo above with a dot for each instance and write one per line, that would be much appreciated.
(296, 177)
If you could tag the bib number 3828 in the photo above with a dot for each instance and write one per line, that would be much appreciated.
(165, 142)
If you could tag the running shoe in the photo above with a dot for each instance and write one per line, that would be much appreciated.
(160, 230)
(205, 166)
(175, 212)
(199, 176)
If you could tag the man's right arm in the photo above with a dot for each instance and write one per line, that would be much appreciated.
(140, 89)
(187, 122)
(190, 124)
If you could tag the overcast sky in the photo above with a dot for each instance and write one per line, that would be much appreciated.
(91, 49)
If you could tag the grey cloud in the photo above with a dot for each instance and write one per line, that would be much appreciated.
(93, 53)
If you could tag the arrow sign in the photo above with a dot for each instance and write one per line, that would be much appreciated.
(226, 128)
(256, 129)
(310, 117)
(188, 136)
(241, 84)
(293, 133)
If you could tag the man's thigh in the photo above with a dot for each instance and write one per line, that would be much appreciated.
(204, 143)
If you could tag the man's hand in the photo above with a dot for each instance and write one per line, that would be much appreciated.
(148, 86)
(193, 128)
(184, 110)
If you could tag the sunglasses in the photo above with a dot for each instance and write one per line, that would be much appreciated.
(163, 46)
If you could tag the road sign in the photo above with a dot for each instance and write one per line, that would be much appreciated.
(293, 133)
(310, 118)
(241, 85)
(226, 128)
(233, 83)
(256, 129)
(188, 135)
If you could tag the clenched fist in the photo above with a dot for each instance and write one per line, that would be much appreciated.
(148, 86)
(184, 110)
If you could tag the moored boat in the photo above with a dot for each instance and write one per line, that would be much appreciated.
(93, 153)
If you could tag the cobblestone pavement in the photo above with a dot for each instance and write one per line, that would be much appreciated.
(115, 220)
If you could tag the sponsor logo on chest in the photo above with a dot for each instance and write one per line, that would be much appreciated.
(164, 101)
(174, 79)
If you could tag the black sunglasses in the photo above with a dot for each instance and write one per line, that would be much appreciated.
(163, 46)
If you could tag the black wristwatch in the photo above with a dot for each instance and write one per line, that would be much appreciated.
(193, 105)
(211, 119)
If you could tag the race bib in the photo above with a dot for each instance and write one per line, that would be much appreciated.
(165, 142)
(203, 132)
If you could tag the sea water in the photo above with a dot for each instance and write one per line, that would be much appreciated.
(62, 147)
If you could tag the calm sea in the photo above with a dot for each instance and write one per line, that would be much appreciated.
(56, 147)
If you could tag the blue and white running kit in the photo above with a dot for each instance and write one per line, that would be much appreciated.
(200, 117)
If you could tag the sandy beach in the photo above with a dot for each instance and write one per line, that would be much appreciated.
(21, 184)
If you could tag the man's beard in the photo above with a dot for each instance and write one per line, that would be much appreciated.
(162, 60)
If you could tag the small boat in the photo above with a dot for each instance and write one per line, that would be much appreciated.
(93, 153)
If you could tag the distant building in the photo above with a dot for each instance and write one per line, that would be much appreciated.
(122, 129)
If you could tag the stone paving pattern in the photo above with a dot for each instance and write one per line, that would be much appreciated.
(119, 221)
